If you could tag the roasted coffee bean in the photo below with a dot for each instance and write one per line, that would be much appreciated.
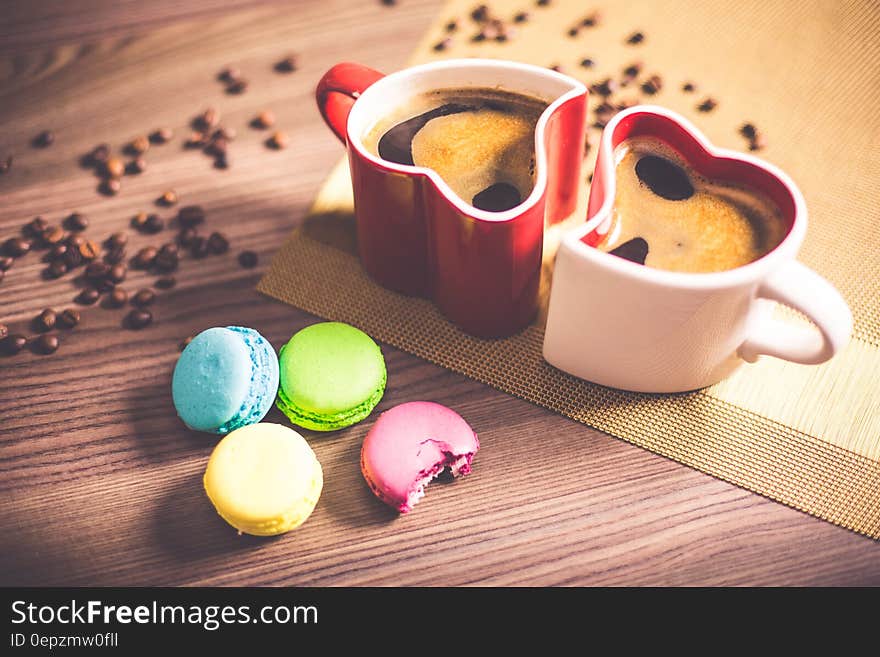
(443, 44)
(170, 248)
(190, 215)
(229, 74)
(652, 85)
(604, 88)
(521, 17)
(452, 25)
(139, 145)
(758, 142)
(748, 130)
(480, 13)
(116, 298)
(69, 318)
(197, 139)
(707, 105)
(166, 282)
(635, 38)
(74, 241)
(4, 332)
(88, 296)
(166, 262)
(217, 243)
(217, 147)
(198, 247)
(89, 250)
(634, 250)
(72, 258)
(5, 262)
(46, 344)
(139, 318)
(95, 271)
(168, 198)
(138, 220)
(13, 344)
(143, 297)
(222, 161)
(117, 273)
(99, 155)
(688, 87)
(573, 32)
(110, 187)
(145, 257)
(265, 119)
(183, 345)
(237, 87)
(287, 65)
(543, 3)
(44, 139)
(114, 167)
(58, 252)
(136, 166)
(153, 224)
(186, 236)
(208, 119)
(53, 236)
(666, 179)
(76, 221)
(56, 269)
(633, 70)
(161, 136)
(16, 247)
(592, 20)
(117, 239)
(115, 255)
(36, 227)
(586, 62)
(5, 165)
(247, 259)
(278, 140)
(45, 321)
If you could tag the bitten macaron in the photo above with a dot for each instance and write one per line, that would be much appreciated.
(410, 445)
(264, 479)
(225, 378)
(332, 376)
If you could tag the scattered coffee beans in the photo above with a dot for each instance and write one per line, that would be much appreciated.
(635, 38)
(4, 332)
(76, 221)
(143, 297)
(688, 87)
(166, 282)
(44, 139)
(5, 262)
(116, 298)
(110, 187)
(114, 167)
(145, 257)
(46, 344)
(139, 145)
(136, 166)
(13, 344)
(247, 259)
(287, 65)
(186, 342)
(161, 136)
(237, 87)
(88, 296)
(68, 319)
(218, 244)
(190, 215)
(16, 247)
(707, 105)
(139, 318)
(45, 321)
(278, 140)
(169, 198)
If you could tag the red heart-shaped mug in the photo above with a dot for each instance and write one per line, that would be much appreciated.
(415, 235)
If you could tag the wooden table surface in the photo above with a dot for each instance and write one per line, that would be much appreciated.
(100, 483)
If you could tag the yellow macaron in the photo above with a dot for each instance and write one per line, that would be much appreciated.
(264, 479)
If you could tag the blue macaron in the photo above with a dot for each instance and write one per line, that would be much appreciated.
(226, 378)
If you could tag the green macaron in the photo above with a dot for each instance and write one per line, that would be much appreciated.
(332, 376)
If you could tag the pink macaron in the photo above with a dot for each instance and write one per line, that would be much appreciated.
(410, 445)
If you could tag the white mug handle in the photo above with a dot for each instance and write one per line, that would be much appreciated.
(801, 288)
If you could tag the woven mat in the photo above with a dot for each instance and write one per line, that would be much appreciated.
(805, 73)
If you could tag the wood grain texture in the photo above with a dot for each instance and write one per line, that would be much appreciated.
(101, 484)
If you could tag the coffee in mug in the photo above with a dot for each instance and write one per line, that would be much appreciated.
(480, 141)
(667, 216)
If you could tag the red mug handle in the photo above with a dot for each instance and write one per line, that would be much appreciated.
(339, 89)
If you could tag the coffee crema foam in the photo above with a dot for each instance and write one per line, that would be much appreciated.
(481, 142)
(667, 216)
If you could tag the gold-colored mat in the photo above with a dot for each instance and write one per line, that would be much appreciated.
(805, 74)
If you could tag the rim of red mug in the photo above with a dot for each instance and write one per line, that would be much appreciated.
(753, 271)
(539, 188)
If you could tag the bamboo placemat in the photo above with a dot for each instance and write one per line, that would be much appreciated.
(806, 436)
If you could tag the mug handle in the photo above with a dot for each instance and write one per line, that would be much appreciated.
(339, 89)
(801, 288)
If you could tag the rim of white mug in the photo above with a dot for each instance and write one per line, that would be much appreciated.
(757, 269)
(576, 88)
